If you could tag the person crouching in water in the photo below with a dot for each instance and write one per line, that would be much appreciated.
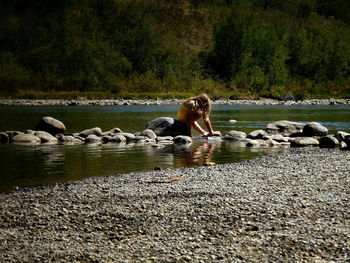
(194, 108)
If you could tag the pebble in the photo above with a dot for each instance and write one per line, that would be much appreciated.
(286, 207)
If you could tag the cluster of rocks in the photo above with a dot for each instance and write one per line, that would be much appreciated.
(163, 130)
(294, 134)
(288, 100)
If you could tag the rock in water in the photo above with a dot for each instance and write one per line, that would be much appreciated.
(93, 131)
(285, 128)
(314, 129)
(164, 126)
(4, 137)
(235, 136)
(45, 136)
(149, 134)
(25, 138)
(50, 125)
(328, 142)
(182, 139)
(304, 141)
(257, 134)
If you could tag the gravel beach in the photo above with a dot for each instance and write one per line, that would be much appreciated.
(290, 207)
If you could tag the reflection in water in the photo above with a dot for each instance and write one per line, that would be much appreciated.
(198, 154)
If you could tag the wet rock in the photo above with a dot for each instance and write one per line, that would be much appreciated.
(50, 125)
(182, 139)
(69, 139)
(149, 133)
(92, 138)
(11, 134)
(285, 128)
(25, 138)
(164, 138)
(45, 136)
(235, 136)
(128, 136)
(112, 132)
(328, 142)
(232, 121)
(340, 135)
(304, 141)
(277, 138)
(314, 129)
(93, 131)
(257, 134)
(165, 126)
(4, 137)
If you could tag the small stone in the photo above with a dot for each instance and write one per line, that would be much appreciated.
(45, 136)
(235, 135)
(149, 133)
(257, 134)
(304, 141)
(92, 138)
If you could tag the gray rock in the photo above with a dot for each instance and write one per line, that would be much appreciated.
(92, 138)
(258, 134)
(252, 143)
(149, 133)
(343, 146)
(285, 128)
(328, 142)
(182, 139)
(304, 141)
(50, 125)
(314, 129)
(45, 136)
(164, 126)
(119, 138)
(277, 138)
(69, 139)
(29, 132)
(139, 138)
(4, 137)
(11, 134)
(128, 136)
(93, 131)
(272, 143)
(25, 138)
(112, 132)
(340, 135)
(235, 136)
(164, 138)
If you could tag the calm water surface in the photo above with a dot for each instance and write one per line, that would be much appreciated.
(28, 165)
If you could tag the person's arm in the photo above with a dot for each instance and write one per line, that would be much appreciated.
(210, 129)
(199, 129)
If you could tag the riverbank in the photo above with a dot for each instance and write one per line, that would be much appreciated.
(111, 102)
(285, 207)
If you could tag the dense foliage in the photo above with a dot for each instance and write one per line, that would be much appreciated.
(231, 47)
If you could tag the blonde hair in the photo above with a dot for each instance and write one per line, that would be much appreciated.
(202, 104)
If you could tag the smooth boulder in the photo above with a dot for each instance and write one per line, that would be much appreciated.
(235, 136)
(328, 142)
(45, 137)
(93, 131)
(257, 134)
(92, 138)
(51, 126)
(314, 129)
(285, 128)
(304, 141)
(182, 139)
(149, 134)
(25, 138)
(165, 126)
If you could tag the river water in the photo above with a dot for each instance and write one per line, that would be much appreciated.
(31, 165)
